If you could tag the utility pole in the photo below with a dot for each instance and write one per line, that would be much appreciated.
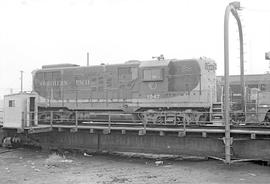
(267, 57)
(231, 8)
(21, 81)
(87, 58)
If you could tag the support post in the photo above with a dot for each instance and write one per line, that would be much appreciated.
(91, 130)
(230, 8)
(226, 86)
(181, 134)
(252, 136)
(242, 79)
(204, 134)
(144, 126)
(161, 133)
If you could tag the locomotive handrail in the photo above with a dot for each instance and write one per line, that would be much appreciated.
(190, 74)
(51, 118)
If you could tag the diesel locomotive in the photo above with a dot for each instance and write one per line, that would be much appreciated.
(158, 91)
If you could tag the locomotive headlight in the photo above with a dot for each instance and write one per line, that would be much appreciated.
(210, 66)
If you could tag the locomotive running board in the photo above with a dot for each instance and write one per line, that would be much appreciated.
(39, 129)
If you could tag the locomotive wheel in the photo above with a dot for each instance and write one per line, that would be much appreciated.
(267, 117)
(203, 119)
(160, 120)
(72, 116)
(150, 117)
(180, 120)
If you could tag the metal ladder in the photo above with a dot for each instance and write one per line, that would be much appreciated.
(217, 116)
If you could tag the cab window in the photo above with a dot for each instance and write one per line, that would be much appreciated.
(127, 74)
(152, 74)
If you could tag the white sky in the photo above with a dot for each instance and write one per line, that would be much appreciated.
(39, 32)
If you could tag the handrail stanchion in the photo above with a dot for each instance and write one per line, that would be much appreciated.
(184, 121)
(51, 118)
(76, 119)
(144, 126)
(109, 122)
(165, 120)
(175, 118)
(23, 119)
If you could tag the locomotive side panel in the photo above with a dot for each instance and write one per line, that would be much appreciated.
(86, 83)
(127, 81)
(179, 83)
(153, 83)
(208, 79)
(69, 84)
(112, 83)
(47, 84)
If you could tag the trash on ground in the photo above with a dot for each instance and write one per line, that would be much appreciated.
(252, 174)
(87, 155)
(159, 162)
(56, 160)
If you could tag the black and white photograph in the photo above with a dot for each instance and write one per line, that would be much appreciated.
(134, 91)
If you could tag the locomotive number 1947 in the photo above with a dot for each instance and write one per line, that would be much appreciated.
(153, 96)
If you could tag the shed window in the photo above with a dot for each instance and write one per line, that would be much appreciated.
(11, 103)
(152, 75)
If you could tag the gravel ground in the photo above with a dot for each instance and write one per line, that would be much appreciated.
(23, 166)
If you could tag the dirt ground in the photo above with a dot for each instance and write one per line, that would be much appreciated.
(24, 166)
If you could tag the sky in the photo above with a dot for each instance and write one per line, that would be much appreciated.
(40, 32)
